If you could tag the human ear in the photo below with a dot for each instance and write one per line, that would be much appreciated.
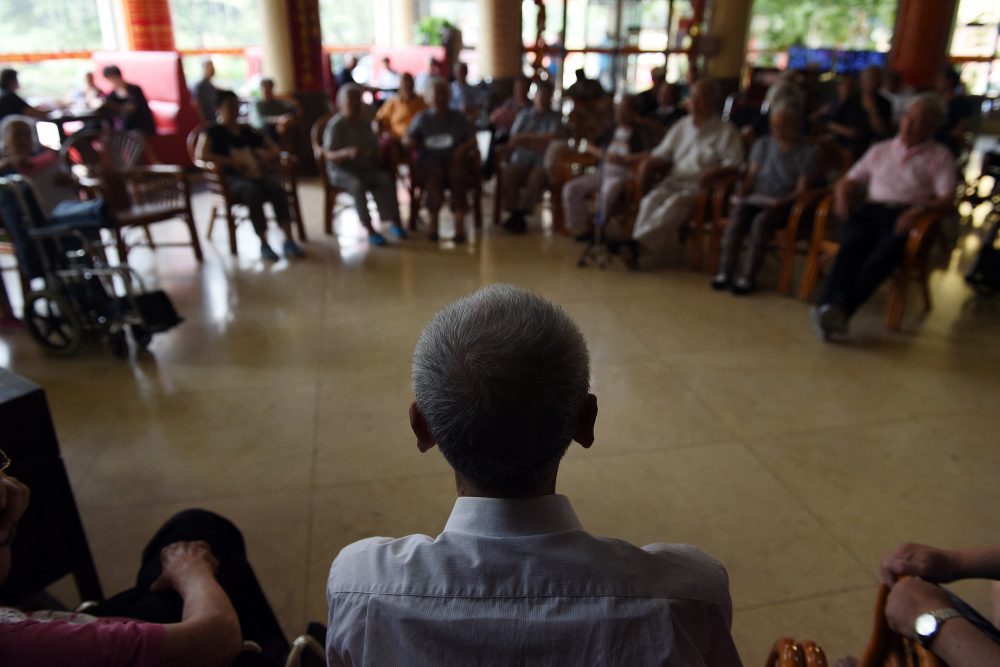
(584, 433)
(425, 440)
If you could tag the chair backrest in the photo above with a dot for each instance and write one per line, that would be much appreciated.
(99, 150)
(316, 141)
(834, 160)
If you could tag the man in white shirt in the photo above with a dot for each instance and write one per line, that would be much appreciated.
(501, 379)
(701, 146)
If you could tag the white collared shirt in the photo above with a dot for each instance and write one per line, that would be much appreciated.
(521, 582)
(692, 149)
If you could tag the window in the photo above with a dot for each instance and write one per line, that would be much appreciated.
(975, 45)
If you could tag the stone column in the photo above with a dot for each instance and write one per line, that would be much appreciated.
(500, 38)
(293, 57)
(920, 42)
(402, 22)
(148, 26)
(728, 25)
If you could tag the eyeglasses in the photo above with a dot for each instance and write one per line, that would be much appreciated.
(4, 461)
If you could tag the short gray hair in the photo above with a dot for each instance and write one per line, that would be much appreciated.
(346, 90)
(932, 106)
(501, 376)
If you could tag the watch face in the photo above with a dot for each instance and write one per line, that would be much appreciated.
(926, 625)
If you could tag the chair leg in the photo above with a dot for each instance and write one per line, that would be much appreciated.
(897, 300)
(195, 241)
(810, 274)
(497, 196)
(787, 270)
(714, 246)
(149, 237)
(231, 224)
(121, 245)
(477, 209)
(415, 195)
(297, 212)
(6, 310)
(329, 200)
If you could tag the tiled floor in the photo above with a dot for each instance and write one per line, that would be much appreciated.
(281, 402)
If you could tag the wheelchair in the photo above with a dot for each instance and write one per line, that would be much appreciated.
(71, 292)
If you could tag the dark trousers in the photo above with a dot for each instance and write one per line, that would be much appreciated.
(870, 250)
(235, 575)
(759, 222)
(254, 193)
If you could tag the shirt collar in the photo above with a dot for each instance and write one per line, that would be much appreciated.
(506, 517)
(910, 151)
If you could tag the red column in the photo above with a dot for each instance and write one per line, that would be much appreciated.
(306, 45)
(148, 24)
(920, 43)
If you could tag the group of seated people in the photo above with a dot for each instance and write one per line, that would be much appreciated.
(513, 578)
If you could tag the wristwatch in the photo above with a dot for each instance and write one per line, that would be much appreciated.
(928, 625)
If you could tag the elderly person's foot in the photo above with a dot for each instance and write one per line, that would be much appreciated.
(742, 286)
(376, 239)
(267, 253)
(293, 250)
(516, 224)
(398, 232)
(720, 281)
(829, 320)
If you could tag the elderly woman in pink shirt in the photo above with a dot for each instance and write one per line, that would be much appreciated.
(880, 199)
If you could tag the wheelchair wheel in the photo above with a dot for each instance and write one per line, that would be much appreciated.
(52, 322)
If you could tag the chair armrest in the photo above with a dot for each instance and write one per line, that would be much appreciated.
(721, 190)
(468, 153)
(534, 142)
(923, 230)
(649, 172)
(803, 203)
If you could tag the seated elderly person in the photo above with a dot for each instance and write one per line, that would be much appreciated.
(669, 109)
(649, 99)
(352, 153)
(698, 148)
(524, 175)
(502, 120)
(439, 134)
(501, 382)
(861, 115)
(781, 166)
(196, 598)
(618, 149)
(23, 154)
(243, 154)
(880, 199)
(272, 115)
(464, 96)
(394, 117)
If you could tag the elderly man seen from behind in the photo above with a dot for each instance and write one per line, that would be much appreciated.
(880, 199)
(501, 379)
(352, 151)
(698, 147)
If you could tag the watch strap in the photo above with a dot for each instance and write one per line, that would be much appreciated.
(941, 615)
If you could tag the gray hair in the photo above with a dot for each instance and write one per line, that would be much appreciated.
(501, 376)
(931, 105)
(13, 121)
(786, 104)
(344, 91)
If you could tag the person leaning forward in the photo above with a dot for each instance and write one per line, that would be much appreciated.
(501, 384)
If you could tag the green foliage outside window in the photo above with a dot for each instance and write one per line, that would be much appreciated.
(850, 24)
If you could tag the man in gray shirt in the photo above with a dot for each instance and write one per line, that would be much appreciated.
(501, 382)
(782, 165)
(524, 176)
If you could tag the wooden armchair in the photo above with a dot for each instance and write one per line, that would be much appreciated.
(534, 142)
(915, 264)
(330, 192)
(225, 206)
(120, 167)
(7, 248)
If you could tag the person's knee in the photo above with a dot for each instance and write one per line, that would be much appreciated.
(201, 524)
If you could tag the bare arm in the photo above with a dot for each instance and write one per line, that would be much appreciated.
(958, 642)
(208, 634)
(940, 565)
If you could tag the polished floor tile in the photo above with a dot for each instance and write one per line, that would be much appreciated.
(282, 403)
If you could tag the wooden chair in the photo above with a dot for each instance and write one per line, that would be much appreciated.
(121, 168)
(915, 264)
(232, 211)
(7, 248)
(538, 144)
(886, 648)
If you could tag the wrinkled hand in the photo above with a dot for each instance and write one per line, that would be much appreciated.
(910, 597)
(919, 560)
(182, 563)
(14, 497)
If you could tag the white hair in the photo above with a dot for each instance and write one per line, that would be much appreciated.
(344, 91)
(501, 377)
(932, 106)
